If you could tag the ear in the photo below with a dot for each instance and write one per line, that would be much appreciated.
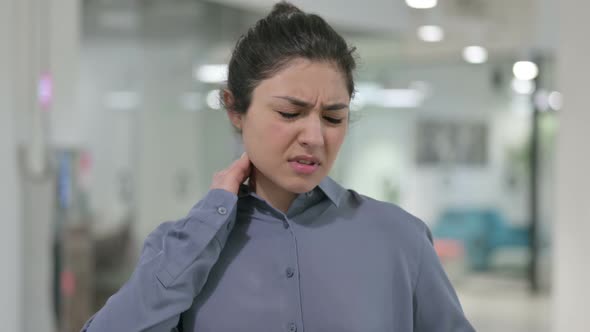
(234, 117)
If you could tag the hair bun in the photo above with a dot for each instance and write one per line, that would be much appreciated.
(283, 9)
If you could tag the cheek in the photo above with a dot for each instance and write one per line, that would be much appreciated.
(266, 136)
(279, 135)
(275, 129)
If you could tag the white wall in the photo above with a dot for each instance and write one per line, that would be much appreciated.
(10, 202)
(63, 56)
(35, 37)
(572, 226)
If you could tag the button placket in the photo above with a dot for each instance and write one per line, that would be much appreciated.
(291, 281)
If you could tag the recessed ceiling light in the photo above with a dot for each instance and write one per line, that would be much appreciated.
(213, 100)
(421, 4)
(475, 54)
(525, 70)
(431, 33)
(211, 73)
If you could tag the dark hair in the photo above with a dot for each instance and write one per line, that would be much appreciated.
(285, 34)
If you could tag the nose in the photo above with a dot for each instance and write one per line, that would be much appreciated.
(312, 132)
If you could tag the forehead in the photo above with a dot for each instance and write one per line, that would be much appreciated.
(306, 79)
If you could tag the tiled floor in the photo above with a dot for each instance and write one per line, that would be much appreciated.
(501, 304)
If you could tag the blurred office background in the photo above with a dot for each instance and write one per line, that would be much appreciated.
(110, 125)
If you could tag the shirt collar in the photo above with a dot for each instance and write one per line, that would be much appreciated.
(331, 189)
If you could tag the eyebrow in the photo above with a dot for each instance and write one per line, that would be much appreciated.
(305, 104)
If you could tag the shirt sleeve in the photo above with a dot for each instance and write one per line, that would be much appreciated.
(173, 267)
(436, 306)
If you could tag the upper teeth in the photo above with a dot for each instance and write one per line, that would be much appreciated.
(307, 162)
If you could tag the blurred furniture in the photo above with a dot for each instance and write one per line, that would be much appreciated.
(452, 255)
(481, 231)
(76, 277)
(114, 260)
(94, 266)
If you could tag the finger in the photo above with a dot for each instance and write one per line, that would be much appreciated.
(243, 162)
(238, 161)
(244, 158)
(240, 170)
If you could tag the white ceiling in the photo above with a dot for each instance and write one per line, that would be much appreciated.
(515, 28)
(378, 15)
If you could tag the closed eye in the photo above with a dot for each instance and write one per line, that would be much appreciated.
(288, 115)
(294, 115)
(333, 120)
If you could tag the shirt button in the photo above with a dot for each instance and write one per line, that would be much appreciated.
(221, 210)
(309, 194)
(292, 327)
(285, 224)
(290, 272)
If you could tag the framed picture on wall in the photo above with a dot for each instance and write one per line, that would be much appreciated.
(446, 142)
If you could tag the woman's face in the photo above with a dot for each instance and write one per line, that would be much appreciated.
(296, 123)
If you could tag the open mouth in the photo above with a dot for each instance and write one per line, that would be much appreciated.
(306, 162)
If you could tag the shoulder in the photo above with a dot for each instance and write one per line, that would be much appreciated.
(374, 210)
(406, 236)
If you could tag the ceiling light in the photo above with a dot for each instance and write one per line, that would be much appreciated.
(421, 4)
(431, 33)
(475, 54)
(211, 73)
(525, 70)
(213, 100)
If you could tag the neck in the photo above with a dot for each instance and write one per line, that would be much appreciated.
(274, 195)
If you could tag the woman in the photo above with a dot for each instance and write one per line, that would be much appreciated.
(292, 250)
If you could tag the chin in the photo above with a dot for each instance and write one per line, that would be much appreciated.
(302, 185)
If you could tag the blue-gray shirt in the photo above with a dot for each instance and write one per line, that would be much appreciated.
(336, 261)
